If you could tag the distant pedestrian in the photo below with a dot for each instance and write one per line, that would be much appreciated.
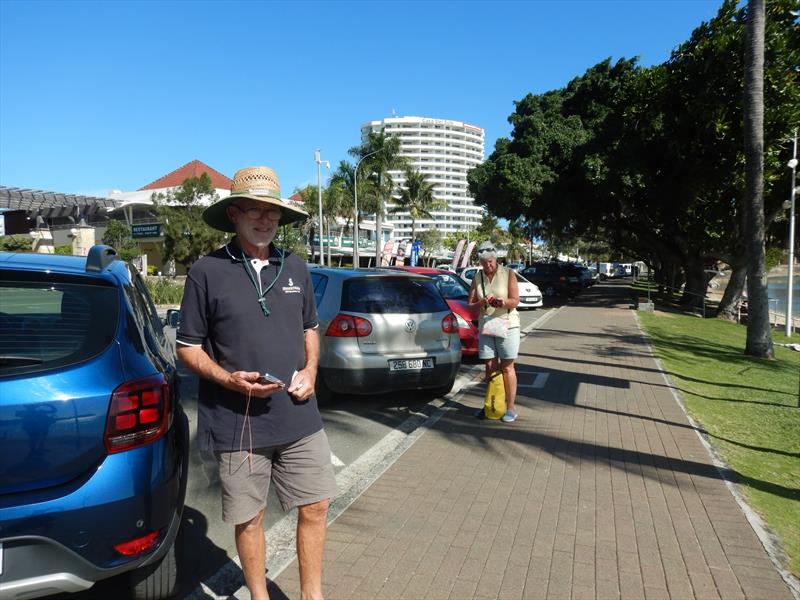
(495, 291)
(248, 309)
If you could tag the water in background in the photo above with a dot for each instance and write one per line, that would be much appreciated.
(777, 287)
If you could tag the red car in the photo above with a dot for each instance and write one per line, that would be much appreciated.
(456, 293)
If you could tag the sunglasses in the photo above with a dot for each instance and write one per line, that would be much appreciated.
(487, 250)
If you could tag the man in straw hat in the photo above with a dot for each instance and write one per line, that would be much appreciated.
(248, 310)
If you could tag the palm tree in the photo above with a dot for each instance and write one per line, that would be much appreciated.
(759, 337)
(311, 205)
(417, 199)
(383, 155)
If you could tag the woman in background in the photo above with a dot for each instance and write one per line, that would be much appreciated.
(495, 291)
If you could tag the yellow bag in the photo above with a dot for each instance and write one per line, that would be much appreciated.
(494, 407)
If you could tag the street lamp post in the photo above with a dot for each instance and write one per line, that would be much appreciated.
(319, 194)
(355, 207)
(793, 193)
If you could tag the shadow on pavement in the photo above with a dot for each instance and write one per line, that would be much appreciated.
(462, 423)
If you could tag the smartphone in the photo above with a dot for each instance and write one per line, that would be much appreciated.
(268, 378)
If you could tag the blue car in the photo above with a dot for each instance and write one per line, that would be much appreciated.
(93, 439)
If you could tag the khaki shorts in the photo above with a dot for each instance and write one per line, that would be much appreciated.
(302, 472)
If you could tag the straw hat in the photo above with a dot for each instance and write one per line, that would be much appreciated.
(255, 183)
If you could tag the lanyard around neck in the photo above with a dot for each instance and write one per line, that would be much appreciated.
(254, 279)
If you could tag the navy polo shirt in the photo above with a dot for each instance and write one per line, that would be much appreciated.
(221, 313)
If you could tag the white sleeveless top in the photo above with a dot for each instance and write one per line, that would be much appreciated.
(499, 287)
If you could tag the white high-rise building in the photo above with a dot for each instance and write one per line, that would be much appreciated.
(444, 151)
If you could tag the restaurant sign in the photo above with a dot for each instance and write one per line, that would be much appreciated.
(146, 231)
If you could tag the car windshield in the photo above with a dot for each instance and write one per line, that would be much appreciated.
(380, 295)
(44, 325)
(452, 288)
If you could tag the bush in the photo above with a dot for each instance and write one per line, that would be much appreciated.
(165, 291)
(65, 250)
(16, 243)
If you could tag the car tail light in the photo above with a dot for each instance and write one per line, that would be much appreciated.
(450, 324)
(349, 326)
(562, 279)
(137, 546)
(139, 414)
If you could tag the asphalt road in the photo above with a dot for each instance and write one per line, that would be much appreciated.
(362, 432)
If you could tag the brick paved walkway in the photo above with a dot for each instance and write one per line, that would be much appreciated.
(601, 489)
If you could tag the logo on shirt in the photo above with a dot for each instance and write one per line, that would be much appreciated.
(291, 288)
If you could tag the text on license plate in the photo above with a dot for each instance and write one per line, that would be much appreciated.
(410, 364)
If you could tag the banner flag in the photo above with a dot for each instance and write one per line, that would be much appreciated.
(467, 254)
(457, 253)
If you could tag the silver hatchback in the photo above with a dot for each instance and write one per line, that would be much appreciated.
(383, 331)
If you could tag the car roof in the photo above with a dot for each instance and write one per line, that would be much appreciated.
(116, 271)
(347, 272)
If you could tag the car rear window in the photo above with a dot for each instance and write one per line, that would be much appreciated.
(451, 287)
(392, 295)
(45, 324)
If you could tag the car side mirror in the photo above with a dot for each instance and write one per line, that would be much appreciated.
(173, 318)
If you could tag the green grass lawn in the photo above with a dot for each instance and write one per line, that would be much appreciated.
(749, 407)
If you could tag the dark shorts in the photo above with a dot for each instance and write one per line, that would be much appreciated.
(302, 473)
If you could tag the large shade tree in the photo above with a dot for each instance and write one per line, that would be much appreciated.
(650, 159)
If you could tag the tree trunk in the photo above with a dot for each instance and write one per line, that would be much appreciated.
(696, 284)
(732, 298)
(759, 335)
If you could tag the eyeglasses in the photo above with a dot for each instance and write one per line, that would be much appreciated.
(488, 250)
(255, 213)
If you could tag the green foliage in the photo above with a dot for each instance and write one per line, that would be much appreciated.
(66, 249)
(118, 236)
(16, 243)
(774, 257)
(432, 240)
(186, 236)
(291, 238)
(651, 160)
(164, 290)
(380, 154)
(417, 199)
(749, 409)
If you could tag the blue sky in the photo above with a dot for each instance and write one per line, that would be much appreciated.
(112, 95)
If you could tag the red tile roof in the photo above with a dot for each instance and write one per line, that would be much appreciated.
(194, 168)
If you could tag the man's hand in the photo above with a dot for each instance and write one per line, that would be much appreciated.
(245, 382)
(302, 386)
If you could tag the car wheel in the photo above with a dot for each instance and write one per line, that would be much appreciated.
(157, 581)
(324, 394)
(550, 290)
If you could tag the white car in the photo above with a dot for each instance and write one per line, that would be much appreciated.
(529, 294)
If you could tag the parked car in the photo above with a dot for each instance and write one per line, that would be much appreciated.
(555, 278)
(587, 276)
(95, 442)
(516, 266)
(381, 331)
(456, 294)
(529, 294)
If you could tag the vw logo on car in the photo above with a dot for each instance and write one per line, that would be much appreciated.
(411, 325)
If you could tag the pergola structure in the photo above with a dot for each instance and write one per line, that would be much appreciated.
(55, 208)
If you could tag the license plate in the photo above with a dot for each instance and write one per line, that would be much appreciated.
(411, 364)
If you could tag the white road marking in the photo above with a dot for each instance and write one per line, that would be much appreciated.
(539, 381)
(337, 462)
